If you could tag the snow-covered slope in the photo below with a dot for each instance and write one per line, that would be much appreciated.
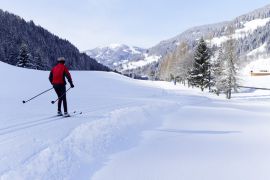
(247, 27)
(241, 33)
(251, 32)
(116, 56)
(130, 129)
(140, 63)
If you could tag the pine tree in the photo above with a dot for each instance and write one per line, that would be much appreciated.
(218, 72)
(230, 65)
(24, 57)
(225, 70)
(200, 72)
(38, 62)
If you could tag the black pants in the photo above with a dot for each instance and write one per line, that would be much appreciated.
(61, 91)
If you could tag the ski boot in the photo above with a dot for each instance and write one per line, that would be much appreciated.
(66, 114)
(59, 113)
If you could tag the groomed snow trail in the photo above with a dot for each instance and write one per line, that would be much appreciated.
(130, 129)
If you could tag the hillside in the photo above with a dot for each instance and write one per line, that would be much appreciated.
(251, 34)
(116, 55)
(122, 57)
(43, 47)
(246, 43)
(131, 129)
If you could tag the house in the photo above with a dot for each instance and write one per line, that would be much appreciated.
(260, 73)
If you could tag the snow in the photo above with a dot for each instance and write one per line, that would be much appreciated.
(112, 46)
(257, 65)
(219, 40)
(249, 27)
(177, 43)
(147, 60)
(134, 51)
(258, 51)
(115, 46)
(131, 129)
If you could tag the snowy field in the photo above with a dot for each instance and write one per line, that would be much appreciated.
(131, 130)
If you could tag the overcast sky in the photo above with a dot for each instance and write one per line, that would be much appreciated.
(91, 23)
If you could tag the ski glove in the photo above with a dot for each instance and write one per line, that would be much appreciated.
(72, 85)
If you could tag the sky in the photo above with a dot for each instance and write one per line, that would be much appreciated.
(144, 23)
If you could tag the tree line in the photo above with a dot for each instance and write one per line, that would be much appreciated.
(213, 68)
(24, 40)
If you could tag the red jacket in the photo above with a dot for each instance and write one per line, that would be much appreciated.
(58, 74)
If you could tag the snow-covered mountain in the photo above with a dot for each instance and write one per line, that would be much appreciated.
(251, 33)
(120, 56)
(251, 27)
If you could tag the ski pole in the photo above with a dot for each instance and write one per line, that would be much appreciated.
(61, 96)
(25, 101)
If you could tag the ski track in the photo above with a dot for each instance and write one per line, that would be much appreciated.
(87, 145)
(169, 124)
(11, 132)
(38, 122)
(86, 148)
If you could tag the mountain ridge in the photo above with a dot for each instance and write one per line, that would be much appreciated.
(43, 47)
(116, 56)
(249, 41)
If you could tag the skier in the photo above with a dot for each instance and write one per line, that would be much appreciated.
(57, 79)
